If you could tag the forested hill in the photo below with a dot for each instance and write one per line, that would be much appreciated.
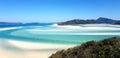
(100, 20)
(107, 48)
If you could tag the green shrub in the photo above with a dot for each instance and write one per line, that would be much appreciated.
(107, 48)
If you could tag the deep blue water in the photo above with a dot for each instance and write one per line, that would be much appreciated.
(16, 25)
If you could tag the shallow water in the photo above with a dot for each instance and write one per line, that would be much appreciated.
(42, 40)
(61, 34)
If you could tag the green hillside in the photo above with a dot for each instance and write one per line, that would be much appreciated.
(107, 48)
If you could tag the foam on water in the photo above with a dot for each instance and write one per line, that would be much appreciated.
(51, 37)
(63, 34)
(88, 27)
(54, 24)
(3, 29)
(71, 28)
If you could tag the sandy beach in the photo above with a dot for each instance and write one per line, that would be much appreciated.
(19, 49)
(8, 54)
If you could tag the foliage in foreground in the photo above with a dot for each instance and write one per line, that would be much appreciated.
(107, 48)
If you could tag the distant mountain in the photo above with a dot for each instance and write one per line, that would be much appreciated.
(105, 20)
(33, 23)
(13, 24)
(117, 23)
(72, 22)
(78, 21)
(10, 23)
(90, 21)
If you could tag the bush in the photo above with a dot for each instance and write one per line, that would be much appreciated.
(107, 48)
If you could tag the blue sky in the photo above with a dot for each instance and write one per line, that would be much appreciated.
(57, 10)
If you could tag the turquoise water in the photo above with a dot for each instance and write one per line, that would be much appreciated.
(61, 34)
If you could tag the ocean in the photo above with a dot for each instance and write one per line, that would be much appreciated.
(53, 37)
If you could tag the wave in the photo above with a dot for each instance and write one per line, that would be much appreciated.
(49, 30)
(85, 33)
(3, 29)
(109, 33)
(54, 24)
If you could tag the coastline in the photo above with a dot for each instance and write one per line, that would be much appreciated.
(28, 45)
(19, 49)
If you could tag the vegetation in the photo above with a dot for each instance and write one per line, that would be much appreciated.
(117, 23)
(90, 21)
(78, 21)
(107, 48)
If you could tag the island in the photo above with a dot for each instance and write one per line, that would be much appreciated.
(10, 23)
(117, 23)
(100, 20)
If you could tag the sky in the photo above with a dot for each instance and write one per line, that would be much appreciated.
(57, 10)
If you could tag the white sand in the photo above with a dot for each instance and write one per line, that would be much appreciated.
(28, 49)
(27, 45)
(94, 27)
(3, 29)
(28, 54)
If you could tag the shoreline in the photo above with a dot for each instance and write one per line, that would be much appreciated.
(18, 49)
(27, 45)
